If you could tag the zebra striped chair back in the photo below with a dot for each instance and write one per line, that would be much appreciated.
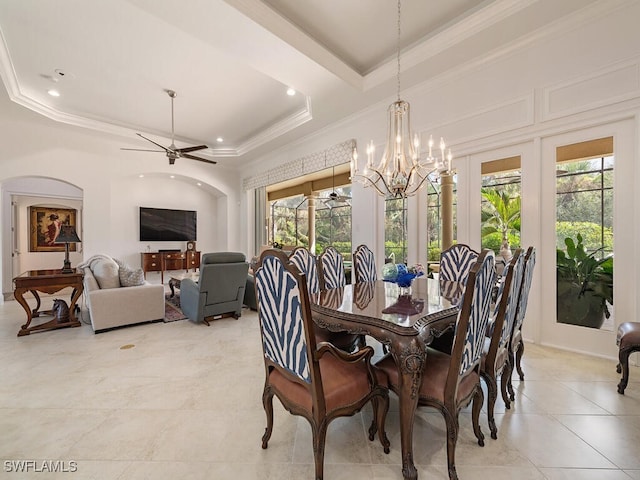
(364, 265)
(508, 306)
(473, 317)
(307, 264)
(295, 363)
(331, 269)
(516, 344)
(527, 279)
(456, 262)
(280, 312)
(496, 351)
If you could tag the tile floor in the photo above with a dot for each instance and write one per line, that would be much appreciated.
(185, 402)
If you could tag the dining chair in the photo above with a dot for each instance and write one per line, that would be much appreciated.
(495, 353)
(456, 262)
(364, 265)
(331, 276)
(516, 345)
(451, 382)
(307, 264)
(316, 381)
(331, 269)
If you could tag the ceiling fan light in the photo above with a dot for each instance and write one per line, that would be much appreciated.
(291, 92)
(219, 139)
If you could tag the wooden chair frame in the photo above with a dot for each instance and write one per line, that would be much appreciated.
(494, 361)
(516, 345)
(290, 387)
(460, 388)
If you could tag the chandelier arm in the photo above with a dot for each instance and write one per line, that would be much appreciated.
(415, 189)
(375, 183)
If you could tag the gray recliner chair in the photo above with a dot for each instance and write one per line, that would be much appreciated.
(220, 289)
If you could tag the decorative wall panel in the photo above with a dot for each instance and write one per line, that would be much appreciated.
(335, 155)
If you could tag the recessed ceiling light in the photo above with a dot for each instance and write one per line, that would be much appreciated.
(172, 176)
(141, 176)
(291, 92)
(199, 184)
(219, 139)
(53, 93)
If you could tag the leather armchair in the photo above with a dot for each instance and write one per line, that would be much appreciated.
(220, 289)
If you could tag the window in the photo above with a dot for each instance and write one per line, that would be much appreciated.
(333, 223)
(584, 234)
(434, 217)
(290, 206)
(395, 230)
(500, 208)
(289, 222)
(584, 203)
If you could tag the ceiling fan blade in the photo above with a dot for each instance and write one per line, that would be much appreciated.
(193, 157)
(142, 150)
(191, 149)
(157, 144)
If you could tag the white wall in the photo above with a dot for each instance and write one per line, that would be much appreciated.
(582, 75)
(92, 162)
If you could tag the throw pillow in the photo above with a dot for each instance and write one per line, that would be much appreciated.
(129, 277)
(106, 272)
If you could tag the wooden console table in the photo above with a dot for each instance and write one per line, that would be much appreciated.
(163, 261)
(47, 281)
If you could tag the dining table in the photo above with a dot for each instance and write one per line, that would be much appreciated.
(405, 322)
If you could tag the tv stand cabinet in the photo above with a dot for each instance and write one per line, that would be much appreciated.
(163, 261)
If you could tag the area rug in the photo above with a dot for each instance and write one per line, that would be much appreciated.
(172, 310)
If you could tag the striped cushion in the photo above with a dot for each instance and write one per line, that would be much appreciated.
(364, 265)
(332, 268)
(456, 263)
(280, 314)
(512, 302)
(478, 314)
(306, 263)
(524, 291)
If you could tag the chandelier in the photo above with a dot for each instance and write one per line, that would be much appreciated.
(402, 169)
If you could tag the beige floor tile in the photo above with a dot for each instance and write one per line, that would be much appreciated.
(548, 443)
(186, 402)
(580, 474)
(617, 438)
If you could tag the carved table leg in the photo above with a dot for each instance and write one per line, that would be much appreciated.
(35, 312)
(410, 358)
(18, 294)
(75, 295)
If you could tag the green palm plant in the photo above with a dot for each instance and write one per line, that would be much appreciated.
(501, 215)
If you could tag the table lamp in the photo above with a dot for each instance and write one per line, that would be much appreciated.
(67, 235)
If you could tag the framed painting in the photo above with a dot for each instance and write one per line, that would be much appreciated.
(44, 227)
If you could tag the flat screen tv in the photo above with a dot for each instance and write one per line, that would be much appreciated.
(166, 225)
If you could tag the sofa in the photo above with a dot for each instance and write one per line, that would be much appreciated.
(117, 295)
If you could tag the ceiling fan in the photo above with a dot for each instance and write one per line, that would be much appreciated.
(333, 199)
(171, 151)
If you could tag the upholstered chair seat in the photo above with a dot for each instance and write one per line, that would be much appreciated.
(434, 376)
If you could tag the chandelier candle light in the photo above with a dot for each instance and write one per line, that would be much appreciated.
(401, 172)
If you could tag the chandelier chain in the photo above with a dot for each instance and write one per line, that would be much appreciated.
(403, 168)
(398, 50)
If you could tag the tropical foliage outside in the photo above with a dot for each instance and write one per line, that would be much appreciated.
(289, 223)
